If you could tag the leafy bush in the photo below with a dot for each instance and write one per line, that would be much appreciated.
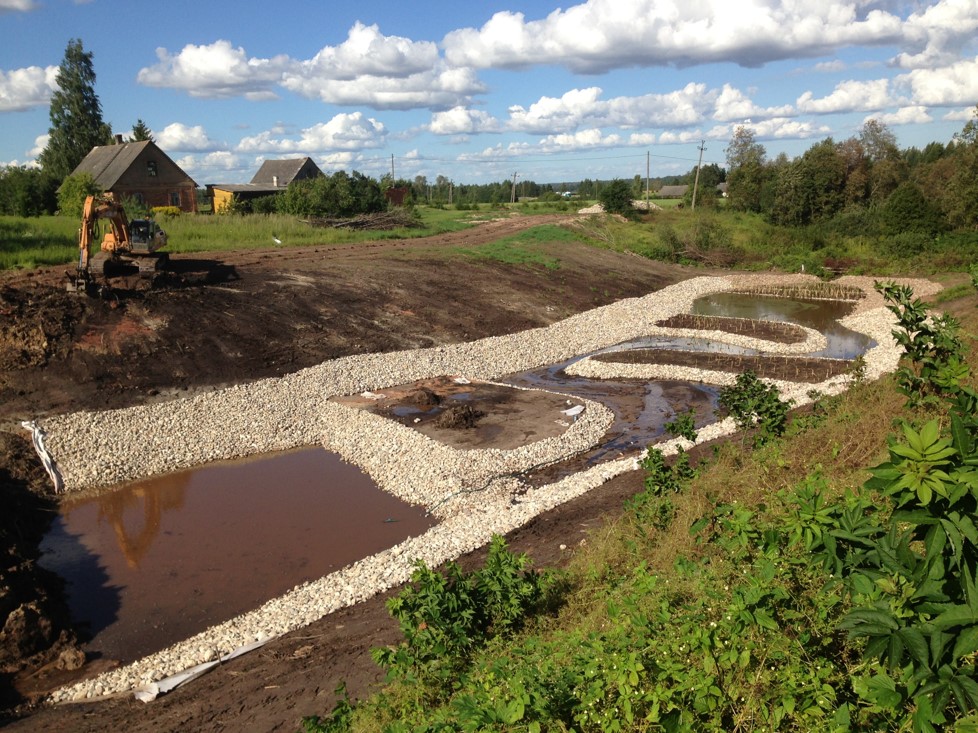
(905, 245)
(166, 211)
(72, 193)
(26, 192)
(936, 354)
(907, 209)
(446, 617)
(616, 197)
(752, 403)
(338, 195)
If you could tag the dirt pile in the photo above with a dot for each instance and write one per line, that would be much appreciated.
(459, 417)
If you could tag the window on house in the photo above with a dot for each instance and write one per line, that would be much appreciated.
(174, 198)
(151, 167)
(139, 198)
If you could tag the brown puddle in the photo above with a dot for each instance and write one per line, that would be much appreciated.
(160, 560)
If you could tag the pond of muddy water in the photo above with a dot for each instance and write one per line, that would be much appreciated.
(820, 315)
(159, 560)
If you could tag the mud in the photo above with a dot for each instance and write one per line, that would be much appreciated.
(471, 414)
(787, 368)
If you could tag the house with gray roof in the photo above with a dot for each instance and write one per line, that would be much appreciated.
(672, 192)
(273, 177)
(141, 171)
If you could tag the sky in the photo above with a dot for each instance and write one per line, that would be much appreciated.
(492, 90)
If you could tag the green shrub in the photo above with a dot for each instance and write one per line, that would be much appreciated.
(907, 209)
(446, 616)
(752, 403)
(72, 194)
(616, 197)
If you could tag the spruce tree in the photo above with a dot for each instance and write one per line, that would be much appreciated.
(141, 132)
(76, 115)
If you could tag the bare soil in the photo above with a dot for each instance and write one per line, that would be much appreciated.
(470, 415)
(233, 317)
(792, 368)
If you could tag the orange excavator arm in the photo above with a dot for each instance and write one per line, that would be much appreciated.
(116, 239)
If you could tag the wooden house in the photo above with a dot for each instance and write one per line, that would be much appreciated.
(141, 171)
(273, 177)
(672, 192)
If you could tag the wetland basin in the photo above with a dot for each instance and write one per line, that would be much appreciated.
(820, 315)
(159, 560)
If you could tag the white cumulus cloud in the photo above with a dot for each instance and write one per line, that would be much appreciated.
(177, 136)
(960, 114)
(778, 128)
(849, 96)
(948, 86)
(600, 35)
(22, 89)
(733, 104)
(914, 115)
(17, 6)
(558, 114)
(216, 70)
(463, 121)
(343, 132)
(583, 108)
(937, 33)
(368, 52)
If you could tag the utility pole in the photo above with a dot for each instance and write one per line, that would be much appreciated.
(512, 195)
(696, 181)
(392, 169)
(648, 170)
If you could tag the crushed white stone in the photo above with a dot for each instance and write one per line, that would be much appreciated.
(475, 493)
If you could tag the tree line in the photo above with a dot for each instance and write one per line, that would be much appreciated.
(865, 182)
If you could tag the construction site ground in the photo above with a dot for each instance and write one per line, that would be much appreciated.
(229, 317)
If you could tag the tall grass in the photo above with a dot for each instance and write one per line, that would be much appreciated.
(52, 240)
(45, 240)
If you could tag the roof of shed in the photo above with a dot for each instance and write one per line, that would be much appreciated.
(284, 170)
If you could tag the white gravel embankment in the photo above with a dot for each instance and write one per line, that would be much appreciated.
(472, 491)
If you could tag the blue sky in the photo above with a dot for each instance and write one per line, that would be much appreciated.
(477, 92)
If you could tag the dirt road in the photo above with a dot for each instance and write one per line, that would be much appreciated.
(238, 316)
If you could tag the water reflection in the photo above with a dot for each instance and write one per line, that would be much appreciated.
(821, 315)
(160, 560)
(161, 495)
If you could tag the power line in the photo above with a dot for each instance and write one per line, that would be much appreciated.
(556, 159)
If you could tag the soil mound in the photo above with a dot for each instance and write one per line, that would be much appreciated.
(459, 417)
(423, 398)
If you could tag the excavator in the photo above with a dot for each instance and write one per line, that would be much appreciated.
(125, 245)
